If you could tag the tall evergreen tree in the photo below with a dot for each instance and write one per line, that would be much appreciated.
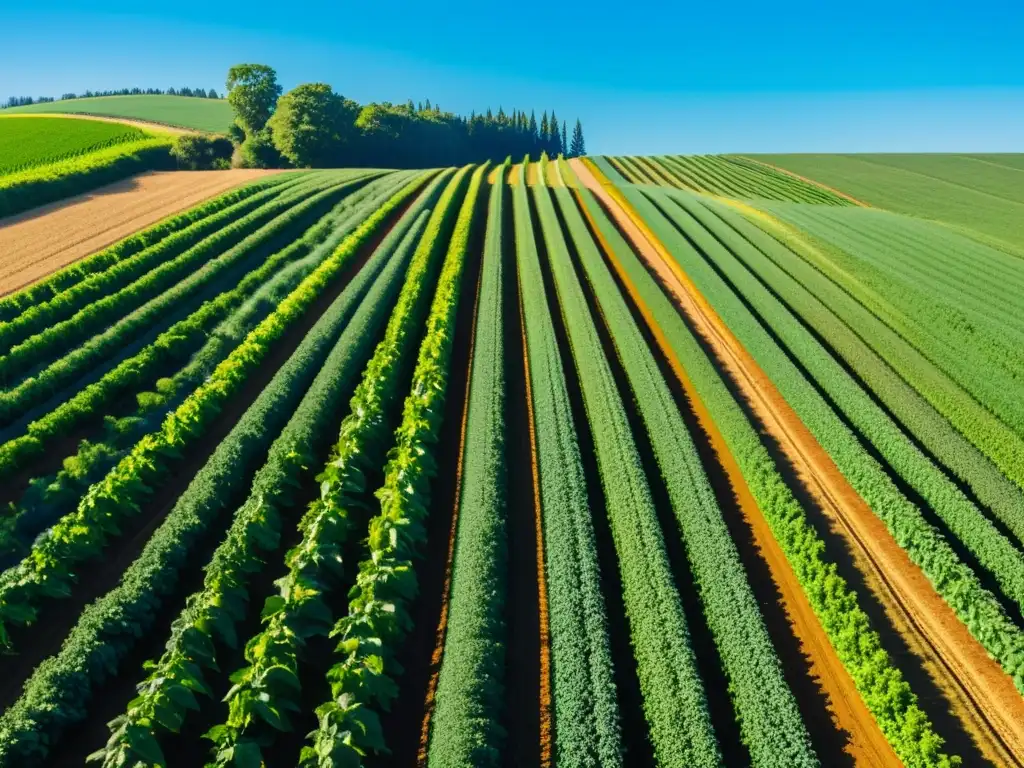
(544, 131)
(565, 141)
(579, 147)
(532, 129)
(555, 142)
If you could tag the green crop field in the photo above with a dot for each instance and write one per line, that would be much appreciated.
(211, 115)
(618, 461)
(31, 141)
(969, 191)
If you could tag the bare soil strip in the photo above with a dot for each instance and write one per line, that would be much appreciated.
(981, 693)
(806, 180)
(35, 243)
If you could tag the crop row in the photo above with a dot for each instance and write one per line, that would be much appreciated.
(39, 316)
(362, 677)
(465, 724)
(675, 702)
(770, 723)
(248, 303)
(57, 693)
(54, 341)
(39, 293)
(855, 333)
(211, 616)
(36, 186)
(880, 684)
(302, 609)
(952, 578)
(80, 536)
(586, 707)
(721, 245)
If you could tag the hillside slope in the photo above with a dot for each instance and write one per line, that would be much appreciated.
(213, 115)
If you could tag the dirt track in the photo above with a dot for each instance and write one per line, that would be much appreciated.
(35, 243)
(981, 693)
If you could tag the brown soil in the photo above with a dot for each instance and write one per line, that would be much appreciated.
(35, 243)
(806, 180)
(981, 693)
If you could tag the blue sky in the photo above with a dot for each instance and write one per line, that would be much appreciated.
(644, 77)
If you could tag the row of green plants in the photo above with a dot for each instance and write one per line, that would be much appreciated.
(209, 622)
(978, 608)
(816, 193)
(256, 296)
(852, 331)
(770, 722)
(52, 343)
(723, 246)
(41, 147)
(674, 700)
(51, 383)
(303, 608)
(369, 635)
(39, 316)
(37, 186)
(51, 565)
(465, 722)
(584, 696)
(879, 682)
(58, 693)
(46, 289)
(972, 392)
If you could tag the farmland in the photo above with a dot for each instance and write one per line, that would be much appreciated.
(211, 115)
(609, 461)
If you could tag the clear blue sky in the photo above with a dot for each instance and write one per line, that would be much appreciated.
(644, 77)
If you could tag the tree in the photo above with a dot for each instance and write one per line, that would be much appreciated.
(578, 147)
(533, 126)
(258, 151)
(197, 152)
(555, 142)
(252, 92)
(565, 141)
(313, 125)
(212, 94)
(545, 132)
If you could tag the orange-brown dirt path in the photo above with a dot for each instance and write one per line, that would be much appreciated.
(979, 691)
(40, 241)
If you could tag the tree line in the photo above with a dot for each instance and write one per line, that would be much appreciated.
(312, 126)
(198, 93)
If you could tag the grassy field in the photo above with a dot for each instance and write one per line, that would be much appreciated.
(212, 115)
(981, 195)
(26, 142)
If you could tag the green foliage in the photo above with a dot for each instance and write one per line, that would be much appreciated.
(770, 722)
(238, 243)
(13, 305)
(202, 153)
(313, 126)
(46, 183)
(51, 497)
(578, 147)
(81, 536)
(378, 612)
(252, 93)
(27, 142)
(212, 615)
(880, 684)
(465, 726)
(57, 695)
(258, 151)
(675, 704)
(36, 317)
